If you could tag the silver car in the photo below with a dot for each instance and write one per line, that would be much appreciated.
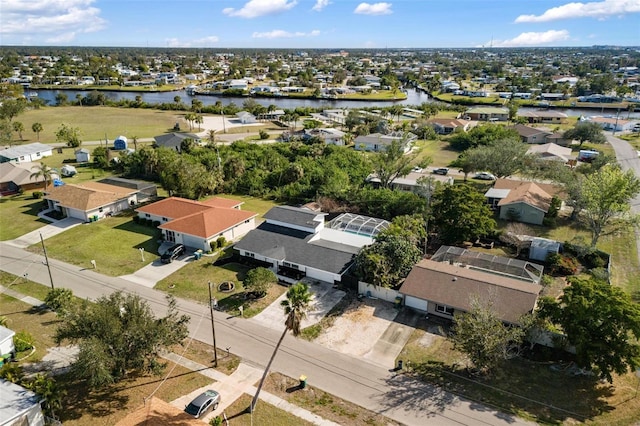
(204, 402)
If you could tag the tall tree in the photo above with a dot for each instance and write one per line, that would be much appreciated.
(11, 108)
(44, 172)
(483, 337)
(69, 135)
(18, 127)
(37, 128)
(392, 163)
(605, 197)
(585, 131)
(118, 335)
(259, 280)
(601, 321)
(503, 158)
(295, 307)
(461, 213)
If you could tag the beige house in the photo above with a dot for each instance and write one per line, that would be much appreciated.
(551, 151)
(522, 201)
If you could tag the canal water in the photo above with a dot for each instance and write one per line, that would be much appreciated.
(414, 98)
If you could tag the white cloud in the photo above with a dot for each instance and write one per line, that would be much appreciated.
(599, 10)
(256, 8)
(58, 20)
(533, 39)
(285, 34)
(320, 4)
(373, 9)
(201, 42)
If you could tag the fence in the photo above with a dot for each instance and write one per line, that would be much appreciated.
(378, 292)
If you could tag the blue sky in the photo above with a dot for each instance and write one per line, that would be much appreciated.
(319, 23)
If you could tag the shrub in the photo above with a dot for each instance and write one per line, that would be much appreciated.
(156, 223)
(263, 135)
(221, 242)
(37, 195)
(562, 264)
(58, 299)
(23, 341)
(216, 421)
(213, 245)
(136, 219)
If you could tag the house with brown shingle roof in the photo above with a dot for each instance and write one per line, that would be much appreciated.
(91, 201)
(443, 289)
(197, 223)
(17, 176)
(446, 126)
(552, 152)
(522, 201)
(531, 134)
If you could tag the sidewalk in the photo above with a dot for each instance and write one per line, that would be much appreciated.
(230, 387)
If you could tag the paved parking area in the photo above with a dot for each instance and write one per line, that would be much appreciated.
(150, 274)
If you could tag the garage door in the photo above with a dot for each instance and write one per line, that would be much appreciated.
(416, 303)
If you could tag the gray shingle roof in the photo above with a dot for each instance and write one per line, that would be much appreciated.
(173, 140)
(293, 215)
(281, 243)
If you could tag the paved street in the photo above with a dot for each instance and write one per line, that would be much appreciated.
(405, 400)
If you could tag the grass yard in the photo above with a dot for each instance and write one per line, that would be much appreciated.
(23, 285)
(321, 403)
(203, 353)
(113, 242)
(191, 282)
(437, 150)
(527, 388)
(252, 204)
(96, 122)
(264, 414)
(19, 215)
(107, 406)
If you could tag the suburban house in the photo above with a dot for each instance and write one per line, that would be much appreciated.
(245, 117)
(91, 201)
(544, 116)
(377, 142)
(19, 406)
(551, 151)
(17, 176)
(198, 223)
(522, 201)
(450, 281)
(445, 126)
(174, 140)
(410, 181)
(25, 153)
(295, 243)
(7, 348)
(82, 155)
(531, 134)
(487, 114)
(329, 136)
(610, 123)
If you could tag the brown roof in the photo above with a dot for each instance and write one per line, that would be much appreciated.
(455, 286)
(87, 196)
(20, 173)
(526, 131)
(528, 193)
(222, 202)
(156, 412)
(549, 188)
(208, 223)
(174, 207)
(451, 122)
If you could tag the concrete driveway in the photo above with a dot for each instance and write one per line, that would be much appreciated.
(325, 297)
(150, 274)
(47, 231)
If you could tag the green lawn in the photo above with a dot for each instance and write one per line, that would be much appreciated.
(191, 282)
(19, 215)
(252, 204)
(437, 150)
(97, 122)
(113, 242)
(264, 414)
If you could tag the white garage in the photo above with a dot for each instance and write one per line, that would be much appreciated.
(416, 303)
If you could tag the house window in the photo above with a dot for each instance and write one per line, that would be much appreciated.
(249, 254)
(147, 215)
(164, 219)
(100, 210)
(22, 158)
(290, 265)
(444, 309)
(171, 236)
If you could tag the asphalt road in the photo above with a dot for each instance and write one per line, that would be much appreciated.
(628, 159)
(405, 400)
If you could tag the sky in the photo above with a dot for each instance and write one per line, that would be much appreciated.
(319, 23)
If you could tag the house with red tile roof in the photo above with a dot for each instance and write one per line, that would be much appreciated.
(197, 223)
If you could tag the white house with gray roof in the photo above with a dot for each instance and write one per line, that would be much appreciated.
(294, 243)
(25, 153)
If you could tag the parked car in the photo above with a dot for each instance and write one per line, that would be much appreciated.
(208, 400)
(173, 253)
(441, 171)
(484, 176)
(417, 170)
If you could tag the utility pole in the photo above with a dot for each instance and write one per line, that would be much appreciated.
(213, 326)
(46, 259)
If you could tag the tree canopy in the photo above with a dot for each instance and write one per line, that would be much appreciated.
(605, 196)
(461, 213)
(503, 158)
(585, 131)
(392, 163)
(259, 280)
(601, 321)
(485, 134)
(117, 335)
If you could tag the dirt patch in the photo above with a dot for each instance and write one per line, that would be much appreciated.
(359, 327)
(323, 404)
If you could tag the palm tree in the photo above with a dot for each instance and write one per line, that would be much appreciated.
(42, 171)
(295, 307)
(37, 128)
(211, 136)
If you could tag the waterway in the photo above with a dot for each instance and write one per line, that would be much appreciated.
(414, 98)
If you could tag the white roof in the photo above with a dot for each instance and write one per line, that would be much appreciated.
(6, 334)
(497, 193)
(15, 401)
(19, 151)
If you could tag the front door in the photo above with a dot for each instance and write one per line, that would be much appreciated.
(171, 236)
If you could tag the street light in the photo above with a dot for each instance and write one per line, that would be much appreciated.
(213, 302)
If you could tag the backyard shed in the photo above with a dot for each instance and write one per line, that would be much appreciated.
(541, 247)
(120, 143)
(83, 155)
